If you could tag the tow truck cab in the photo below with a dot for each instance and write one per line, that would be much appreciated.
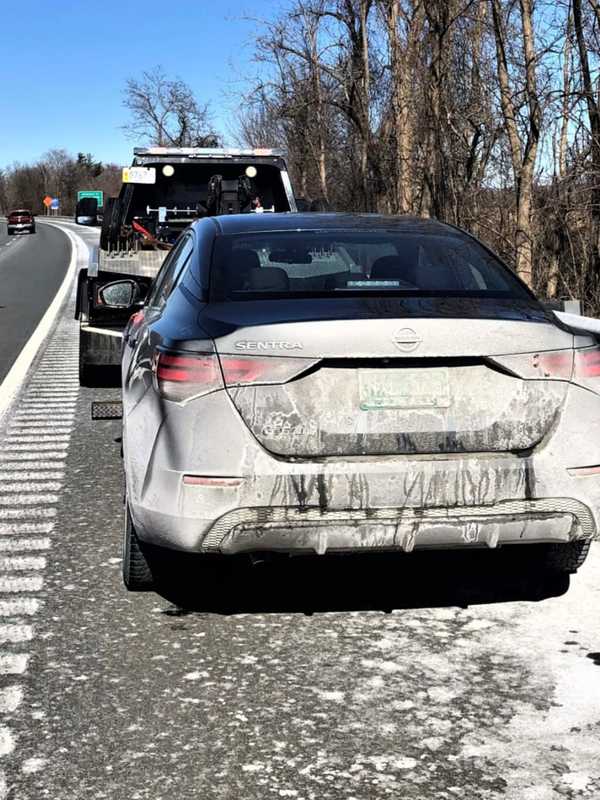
(163, 191)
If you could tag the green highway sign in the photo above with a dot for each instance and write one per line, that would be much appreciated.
(95, 193)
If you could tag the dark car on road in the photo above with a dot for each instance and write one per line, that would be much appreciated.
(313, 383)
(20, 221)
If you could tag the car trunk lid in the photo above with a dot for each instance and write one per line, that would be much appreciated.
(394, 386)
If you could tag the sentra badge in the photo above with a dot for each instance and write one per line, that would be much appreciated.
(247, 344)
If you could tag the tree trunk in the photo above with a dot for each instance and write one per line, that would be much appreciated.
(523, 154)
(592, 280)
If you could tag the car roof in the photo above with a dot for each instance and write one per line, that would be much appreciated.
(20, 211)
(261, 223)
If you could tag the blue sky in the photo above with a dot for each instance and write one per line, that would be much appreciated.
(65, 62)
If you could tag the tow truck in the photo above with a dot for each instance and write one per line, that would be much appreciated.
(164, 190)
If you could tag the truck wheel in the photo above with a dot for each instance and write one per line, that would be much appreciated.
(137, 575)
(566, 557)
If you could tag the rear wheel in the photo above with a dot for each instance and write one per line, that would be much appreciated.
(137, 575)
(567, 557)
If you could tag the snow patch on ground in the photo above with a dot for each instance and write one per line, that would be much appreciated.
(550, 747)
(32, 765)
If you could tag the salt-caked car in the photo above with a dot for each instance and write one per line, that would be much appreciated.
(326, 383)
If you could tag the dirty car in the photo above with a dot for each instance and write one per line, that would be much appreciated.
(317, 383)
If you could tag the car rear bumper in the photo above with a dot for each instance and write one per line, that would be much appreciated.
(21, 228)
(198, 486)
(237, 519)
(394, 529)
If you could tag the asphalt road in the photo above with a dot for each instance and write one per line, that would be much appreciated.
(416, 678)
(32, 268)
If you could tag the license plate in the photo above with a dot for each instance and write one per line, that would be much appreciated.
(403, 388)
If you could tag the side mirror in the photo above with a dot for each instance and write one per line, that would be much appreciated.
(302, 205)
(119, 294)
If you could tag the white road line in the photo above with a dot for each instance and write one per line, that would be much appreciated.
(40, 427)
(36, 433)
(36, 404)
(8, 460)
(17, 373)
(27, 499)
(35, 414)
(13, 664)
(20, 584)
(33, 439)
(15, 632)
(30, 486)
(67, 373)
(31, 448)
(29, 513)
(51, 390)
(24, 475)
(22, 545)
(7, 742)
(11, 698)
(20, 429)
(38, 416)
(22, 563)
(18, 528)
(19, 607)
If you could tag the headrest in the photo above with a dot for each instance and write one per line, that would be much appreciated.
(272, 279)
(244, 260)
(387, 267)
(404, 266)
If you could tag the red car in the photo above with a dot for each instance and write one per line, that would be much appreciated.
(20, 221)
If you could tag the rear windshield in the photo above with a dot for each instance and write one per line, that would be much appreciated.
(329, 263)
(22, 213)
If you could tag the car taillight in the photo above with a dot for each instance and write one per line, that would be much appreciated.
(587, 363)
(577, 366)
(247, 370)
(181, 376)
(552, 365)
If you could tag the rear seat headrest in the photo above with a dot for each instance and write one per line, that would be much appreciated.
(400, 267)
(269, 278)
(243, 260)
(239, 267)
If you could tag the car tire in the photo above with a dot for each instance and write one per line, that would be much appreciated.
(566, 558)
(9, 233)
(137, 575)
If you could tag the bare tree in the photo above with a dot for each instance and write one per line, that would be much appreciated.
(403, 24)
(165, 112)
(524, 139)
(593, 111)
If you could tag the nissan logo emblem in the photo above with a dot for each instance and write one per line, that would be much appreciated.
(407, 340)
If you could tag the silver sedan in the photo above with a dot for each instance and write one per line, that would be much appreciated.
(315, 383)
